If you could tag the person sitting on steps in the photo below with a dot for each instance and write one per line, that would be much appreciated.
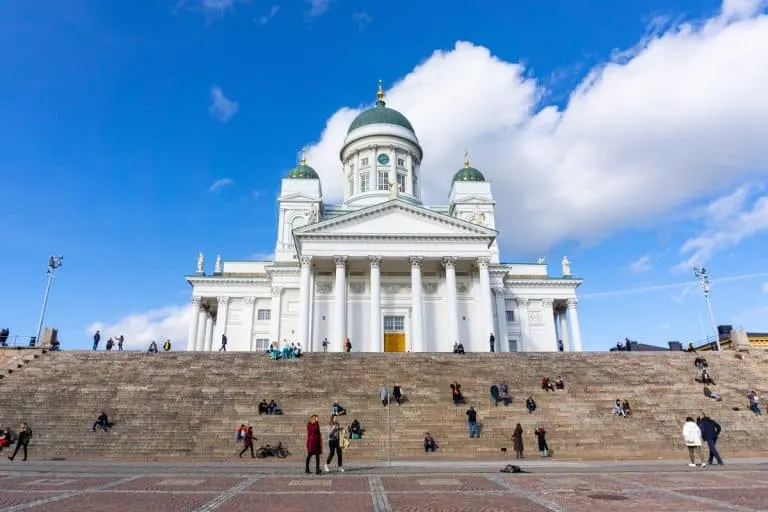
(456, 395)
(710, 394)
(264, 407)
(505, 398)
(355, 430)
(706, 378)
(495, 394)
(337, 410)
(102, 421)
(546, 385)
(429, 442)
(559, 383)
(627, 409)
(700, 363)
(618, 410)
(273, 408)
(530, 404)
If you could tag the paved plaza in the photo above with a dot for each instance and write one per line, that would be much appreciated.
(70, 486)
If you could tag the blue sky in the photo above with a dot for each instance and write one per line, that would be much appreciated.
(627, 135)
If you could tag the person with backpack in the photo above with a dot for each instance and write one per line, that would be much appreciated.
(248, 443)
(335, 433)
(167, 345)
(710, 431)
(25, 433)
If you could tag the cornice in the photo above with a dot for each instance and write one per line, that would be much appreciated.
(394, 237)
(543, 283)
(274, 269)
(222, 281)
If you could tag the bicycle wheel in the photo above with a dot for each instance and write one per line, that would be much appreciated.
(261, 453)
(282, 453)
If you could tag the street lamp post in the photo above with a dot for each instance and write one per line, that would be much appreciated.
(703, 278)
(54, 262)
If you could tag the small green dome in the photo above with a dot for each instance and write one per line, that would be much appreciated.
(380, 114)
(468, 173)
(303, 172)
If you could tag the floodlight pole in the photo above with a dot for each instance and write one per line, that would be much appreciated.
(54, 262)
(703, 277)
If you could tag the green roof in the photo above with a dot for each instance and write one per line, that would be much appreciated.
(468, 174)
(380, 114)
(303, 172)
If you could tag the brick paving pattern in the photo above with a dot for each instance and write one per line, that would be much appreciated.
(128, 487)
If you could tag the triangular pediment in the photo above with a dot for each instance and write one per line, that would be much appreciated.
(297, 197)
(395, 218)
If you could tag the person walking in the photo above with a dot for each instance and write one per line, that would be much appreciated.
(120, 342)
(384, 395)
(314, 444)
(710, 431)
(223, 347)
(492, 341)
(25, 433)
(517, 441)
(474, 430)
(541, 435)
(692, 438)
(96, 339)
(334, 444)
(248, 442)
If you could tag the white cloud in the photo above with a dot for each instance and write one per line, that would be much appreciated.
(263, 256)
(317, 8)
(140, 329)
(727, 221)
(268, 17)
(642, 264)
(363, 19)
(223, 182)
(213, 9)
(682, 116)
(222, 108)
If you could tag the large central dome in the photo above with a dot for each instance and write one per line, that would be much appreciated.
(380, 114)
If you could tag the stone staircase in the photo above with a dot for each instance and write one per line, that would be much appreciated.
(188, 405)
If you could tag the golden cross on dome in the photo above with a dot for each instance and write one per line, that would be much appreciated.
(304, 156)
(466, 159)
(380, 92)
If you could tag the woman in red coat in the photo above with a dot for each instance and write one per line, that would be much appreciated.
(314, 444)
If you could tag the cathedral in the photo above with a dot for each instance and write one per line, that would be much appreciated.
(382, 269)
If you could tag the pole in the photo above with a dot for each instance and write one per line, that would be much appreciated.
(54, 262)
(712, 319)
(45, 304)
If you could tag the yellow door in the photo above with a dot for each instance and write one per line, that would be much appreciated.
(394, 342)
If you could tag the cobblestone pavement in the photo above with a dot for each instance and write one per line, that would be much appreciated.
(233, 487)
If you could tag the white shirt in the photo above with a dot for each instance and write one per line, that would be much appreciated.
(691, 434)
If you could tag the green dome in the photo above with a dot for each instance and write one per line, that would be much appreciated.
(468, 174)
(303, 172)
(380, 114)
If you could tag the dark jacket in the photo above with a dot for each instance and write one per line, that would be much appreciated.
(710, 429)
(472, 416)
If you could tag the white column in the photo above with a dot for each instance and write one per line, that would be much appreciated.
(486, 312)
(573, 319)
(250, 303)
(200, 339)
(502, 344)
(274, 313)
(376, 342)
(208, 332)
(339, 305)
(222, 314)
(452, 307)
(417, 320)
(311, 336)
(525, 327)
(194, 322)
(564, 331)
(548, 317)
(306, 267)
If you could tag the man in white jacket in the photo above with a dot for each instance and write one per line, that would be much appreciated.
(692, 437)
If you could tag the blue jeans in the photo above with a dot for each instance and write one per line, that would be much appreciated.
(713, 454)
(474, 430)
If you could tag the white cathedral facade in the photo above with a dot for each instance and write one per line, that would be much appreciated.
(382, 269)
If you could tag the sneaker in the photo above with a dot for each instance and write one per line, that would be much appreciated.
(691, 465)
(341, 469)
(325, 468)
(703, 464)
